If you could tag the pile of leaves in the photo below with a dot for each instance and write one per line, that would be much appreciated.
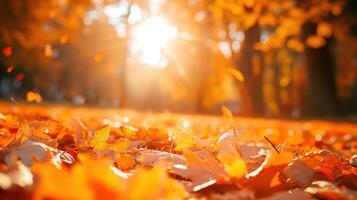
(57, 152)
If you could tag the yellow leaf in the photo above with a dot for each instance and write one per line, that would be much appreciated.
(233, 164)
(119, 146)
(33, 97)
(184, 141)
(160, 185)
(64, 185)
(236, 74)
(226, 112)
(101, 136)
(86, 180)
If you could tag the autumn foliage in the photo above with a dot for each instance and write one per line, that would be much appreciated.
(281, 58)
(74, 153)
(250, 53)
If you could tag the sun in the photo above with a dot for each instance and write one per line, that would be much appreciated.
(149, 39)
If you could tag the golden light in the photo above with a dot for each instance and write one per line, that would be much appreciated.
(149, 40)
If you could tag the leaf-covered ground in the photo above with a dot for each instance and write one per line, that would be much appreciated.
(55, 152)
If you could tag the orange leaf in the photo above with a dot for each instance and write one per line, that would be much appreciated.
(125, 161)
(33, 97)
(236, 74)
(233, 164)
(226, 112)
(275, 181)
(283, 158)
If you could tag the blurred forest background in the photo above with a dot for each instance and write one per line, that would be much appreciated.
(290, 58)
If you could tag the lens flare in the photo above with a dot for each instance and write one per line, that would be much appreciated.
(149, 38)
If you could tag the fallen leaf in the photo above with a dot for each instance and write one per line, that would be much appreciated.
(18, 174)
(328, 190)
(203, 170)
(290, 195)
(125, 161)
(99, 142)
(297, 173)
(30, 150)
(33, 97)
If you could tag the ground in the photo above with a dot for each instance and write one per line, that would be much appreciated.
(63, 152)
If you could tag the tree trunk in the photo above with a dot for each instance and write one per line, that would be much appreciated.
(319, 89)
(252, 96)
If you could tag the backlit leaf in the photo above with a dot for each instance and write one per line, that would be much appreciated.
(226, 112)
(99, 142)
(33, 97)
(236, 74)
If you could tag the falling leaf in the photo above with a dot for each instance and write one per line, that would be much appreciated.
(226, 112)
(100, 139)
(33, 97)
(236, 74)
